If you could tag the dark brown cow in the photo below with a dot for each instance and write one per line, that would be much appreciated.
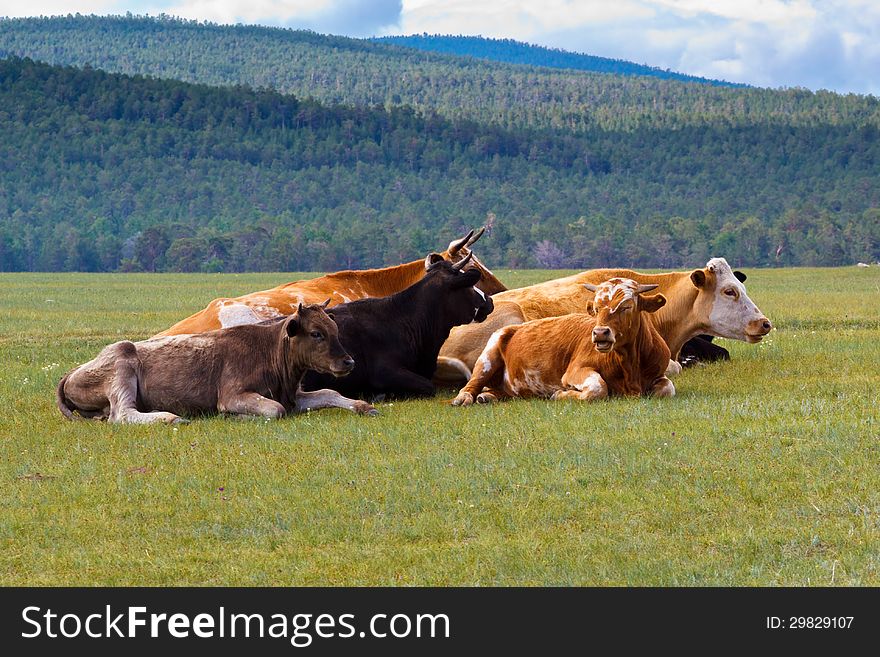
(244, 370)
(613, 349)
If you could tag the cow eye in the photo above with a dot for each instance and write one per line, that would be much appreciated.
(730, 292)
(316, 335)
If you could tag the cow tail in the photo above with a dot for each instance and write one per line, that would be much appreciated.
(62, 401)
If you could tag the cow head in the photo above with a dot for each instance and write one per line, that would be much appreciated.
(724, 305)
(460, 251)
(313, 340)
(460, 301)
(617, 307)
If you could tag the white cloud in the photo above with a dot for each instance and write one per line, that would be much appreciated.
(350, 17)
(812, 43)
(15, 8)
(248, 11)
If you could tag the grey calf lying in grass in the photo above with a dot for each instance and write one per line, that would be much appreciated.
(246, 370)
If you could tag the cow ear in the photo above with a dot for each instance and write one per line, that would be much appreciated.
(591, 308)
(652, 304)
(432, 259)
(698, 277)
(741, 277)
(291, 325)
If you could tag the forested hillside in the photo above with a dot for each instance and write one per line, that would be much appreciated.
(517, 52)
(103, 171)
(359, 72)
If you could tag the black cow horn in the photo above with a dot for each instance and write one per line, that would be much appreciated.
(455, 247)
(458, 266)
(591, 287)
(476, 236)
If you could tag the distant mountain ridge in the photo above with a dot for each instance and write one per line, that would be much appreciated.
(518, 52)
(340, 70)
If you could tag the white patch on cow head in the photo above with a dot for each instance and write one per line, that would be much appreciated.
(606, 291)
(733, 315)
(237, 314)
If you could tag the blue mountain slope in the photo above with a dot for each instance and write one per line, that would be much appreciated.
(517, 52)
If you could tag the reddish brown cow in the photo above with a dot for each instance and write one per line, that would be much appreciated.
(613, 349)
(340, 287)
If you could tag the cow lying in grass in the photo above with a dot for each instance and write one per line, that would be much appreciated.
(340, 287)
(395, 340)
(710, 301)
(244, 370)
(613, 349)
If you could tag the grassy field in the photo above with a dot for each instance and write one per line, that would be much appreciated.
(762, 471)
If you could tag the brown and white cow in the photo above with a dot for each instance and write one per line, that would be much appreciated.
(703, 301)
(243, 370)
(340, 287)
(613, 349)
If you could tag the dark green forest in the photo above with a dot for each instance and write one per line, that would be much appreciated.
(105, 172)
(517, 52)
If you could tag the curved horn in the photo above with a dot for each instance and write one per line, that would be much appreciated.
(591, 287)
(455, 247)
(458, 266)
(646, 287)
(326, 303)
(476, 236)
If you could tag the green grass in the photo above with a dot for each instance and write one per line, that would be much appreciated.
(761, 471)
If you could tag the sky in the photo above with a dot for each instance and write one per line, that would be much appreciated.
(817, 44)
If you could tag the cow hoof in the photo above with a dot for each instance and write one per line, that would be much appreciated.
(463, 399)
(673, 368)
(486, 398)
(364, 408)
(179, 420)
(378, 398)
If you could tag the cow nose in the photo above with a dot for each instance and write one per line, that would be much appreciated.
(766, 325)
(348, 361)
(601, 333)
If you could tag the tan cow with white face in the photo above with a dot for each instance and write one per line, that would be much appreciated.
(703, 301)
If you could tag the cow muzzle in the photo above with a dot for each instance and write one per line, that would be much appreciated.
(484, 310)
(603, 338)
(757, 329)
(343, 366)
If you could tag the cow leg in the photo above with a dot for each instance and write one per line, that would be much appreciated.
(582, 383)
(312, 401)
(462, 349)
(701, 350)
(487, 370)
(662, 387)
(250, 403)
(673, 368)
(123, 392)
(402, 382)
(491, 394)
